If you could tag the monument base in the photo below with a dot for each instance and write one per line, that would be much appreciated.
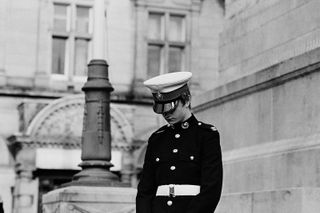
(85, 199)
(292, 200)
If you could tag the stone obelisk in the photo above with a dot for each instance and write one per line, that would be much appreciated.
(96, 136)
(94, 189)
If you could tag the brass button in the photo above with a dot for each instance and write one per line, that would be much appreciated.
(157, 159)
(169, 203)
(191, 157)
(175, 150)
(177, 136)
(172, 168)
(185, 125)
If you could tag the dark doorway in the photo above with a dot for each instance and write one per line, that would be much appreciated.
(50, 179)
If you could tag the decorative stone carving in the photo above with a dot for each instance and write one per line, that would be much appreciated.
(62, 122)
(27, 111)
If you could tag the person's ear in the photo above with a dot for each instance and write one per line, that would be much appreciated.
(187, 104)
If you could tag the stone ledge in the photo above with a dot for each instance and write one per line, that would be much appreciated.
(291, 200)
(91, 194)
(272, 148)
(193, 5)
(275, 75)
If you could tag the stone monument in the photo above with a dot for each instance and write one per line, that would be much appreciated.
(94, 189)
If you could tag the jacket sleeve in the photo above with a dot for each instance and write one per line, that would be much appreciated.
(211, 175)
(146, 187)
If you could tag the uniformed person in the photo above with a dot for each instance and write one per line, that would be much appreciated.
(182, 171)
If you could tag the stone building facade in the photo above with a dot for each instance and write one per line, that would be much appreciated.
(267, 107)
(44, 48)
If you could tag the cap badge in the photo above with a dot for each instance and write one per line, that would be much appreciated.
(185, 125)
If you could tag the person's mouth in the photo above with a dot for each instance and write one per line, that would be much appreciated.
(168, 118)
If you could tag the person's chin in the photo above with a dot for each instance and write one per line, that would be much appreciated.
(170, 121)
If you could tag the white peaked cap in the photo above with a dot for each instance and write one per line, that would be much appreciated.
(169, 82)
(167, 88)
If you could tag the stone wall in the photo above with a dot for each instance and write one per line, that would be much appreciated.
(206, 28)
(269, 125)
(272, 104)
(293, 200)
(259, 34)
(266, 106)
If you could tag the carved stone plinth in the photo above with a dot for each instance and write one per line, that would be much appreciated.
(83, 199)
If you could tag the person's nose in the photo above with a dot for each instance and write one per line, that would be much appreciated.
(165, 114)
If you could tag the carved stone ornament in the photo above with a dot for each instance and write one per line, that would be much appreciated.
(62, 122)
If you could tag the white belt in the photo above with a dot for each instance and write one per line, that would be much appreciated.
(178, 190)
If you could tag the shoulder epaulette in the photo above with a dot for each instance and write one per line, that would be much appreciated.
(207, 126)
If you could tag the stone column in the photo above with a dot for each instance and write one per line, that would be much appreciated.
(96, 136)
(25, 194)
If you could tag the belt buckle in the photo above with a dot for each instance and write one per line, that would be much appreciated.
(171, 190)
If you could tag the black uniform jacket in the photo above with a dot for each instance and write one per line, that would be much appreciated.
(185, 153)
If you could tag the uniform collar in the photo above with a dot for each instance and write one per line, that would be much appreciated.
(192, 121)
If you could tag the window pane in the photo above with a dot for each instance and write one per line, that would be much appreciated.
(81, 57)
(60, 17)
(82, 21)
(175, 59)
(177, 29)
(154, 60)
(155, 26)
(58, 55)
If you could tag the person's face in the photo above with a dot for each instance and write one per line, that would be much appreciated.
(179, 114)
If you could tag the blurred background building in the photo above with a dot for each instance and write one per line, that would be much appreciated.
(45, 46)
(255, 72)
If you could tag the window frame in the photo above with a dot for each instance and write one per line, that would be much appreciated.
(166, 43)
(71, 35)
